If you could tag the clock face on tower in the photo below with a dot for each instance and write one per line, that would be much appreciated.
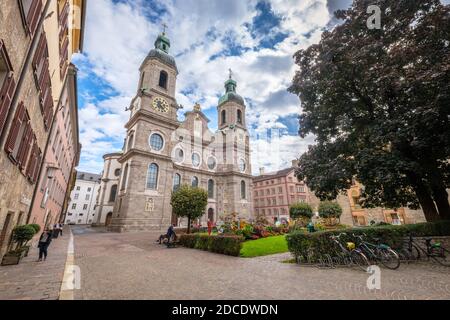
(161, 105)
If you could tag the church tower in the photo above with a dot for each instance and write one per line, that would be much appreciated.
(142, 202)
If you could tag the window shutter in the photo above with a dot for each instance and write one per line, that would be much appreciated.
(37, 166)
(6, 95)
(25, 147)
(15, 127)
(33, 15)
(7, 89)
(48, 109)
(40, 50)
(32, 161)
(44, 76)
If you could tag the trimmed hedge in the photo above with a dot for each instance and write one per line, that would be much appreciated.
(229, 245)
(299, 243)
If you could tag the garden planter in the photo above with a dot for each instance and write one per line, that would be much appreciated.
(11, 259)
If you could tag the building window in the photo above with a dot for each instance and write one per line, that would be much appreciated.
(210, 189)
(194, 182)
(212, 163)
(112, 195)
(179, 155)
(239, 116)
(301, 189)
(152, 176)
(117, 172)
(89, 189)
(88, 196)
(224, 116)
(280, 190)
(242, 165)
(74, 206)
(84, 208)
(243, 190)
(76, 196)
(156, 142)
(196, 159)
(78, 188)
(176, 182)
(130, 141)
(163, 76)
(256, 193)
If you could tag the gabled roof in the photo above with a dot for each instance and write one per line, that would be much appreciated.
(274, 175)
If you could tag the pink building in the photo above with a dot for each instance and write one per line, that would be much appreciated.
(274, 192)
(61, 157)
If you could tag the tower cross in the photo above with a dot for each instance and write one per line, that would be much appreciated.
(231, 73)
(164, 25)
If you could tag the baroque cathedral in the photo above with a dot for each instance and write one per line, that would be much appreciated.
(161, 153)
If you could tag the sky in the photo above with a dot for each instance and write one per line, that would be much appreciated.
(256, 39)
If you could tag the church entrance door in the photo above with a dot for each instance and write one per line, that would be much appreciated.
(211, 214)
(108, 219)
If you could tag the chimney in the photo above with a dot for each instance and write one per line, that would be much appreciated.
(261, 171)
(295, 163)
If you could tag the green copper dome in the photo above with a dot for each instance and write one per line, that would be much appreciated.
(230, 93)
(161, 51)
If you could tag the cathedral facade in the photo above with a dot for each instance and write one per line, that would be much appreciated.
(161, 153)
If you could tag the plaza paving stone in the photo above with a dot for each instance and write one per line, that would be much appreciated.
(31, 280)
(133, 266)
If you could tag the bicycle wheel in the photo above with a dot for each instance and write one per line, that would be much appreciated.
(360, 259)
(389, 258)
(441, 255)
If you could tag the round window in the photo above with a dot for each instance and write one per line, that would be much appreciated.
(196, 160)
(179, 155)
(117, 172)
(242, 165)
(212, 163)
(156, 142)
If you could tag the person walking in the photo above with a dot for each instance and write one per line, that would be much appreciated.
(44, 242)
(60, 228)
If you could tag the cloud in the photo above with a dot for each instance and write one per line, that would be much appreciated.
(257, 39)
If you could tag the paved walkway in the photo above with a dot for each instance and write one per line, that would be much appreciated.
(31, 280)
(133, 266)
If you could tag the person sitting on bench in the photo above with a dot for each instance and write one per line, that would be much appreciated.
(170, 233)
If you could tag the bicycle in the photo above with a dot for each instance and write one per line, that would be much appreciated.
(434, 251)
(379, 252)
(349, 255)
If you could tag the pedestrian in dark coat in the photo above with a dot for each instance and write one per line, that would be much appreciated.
(44, 242)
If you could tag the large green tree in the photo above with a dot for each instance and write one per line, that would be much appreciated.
(378, 101)
(189, 202)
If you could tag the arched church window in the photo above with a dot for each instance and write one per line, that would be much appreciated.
(163, 76)
(239, 116)
(243, 190)
(152, 176)
(194, 182)
(112, 195)
(224, 116)
(176, 182)
(210, 189)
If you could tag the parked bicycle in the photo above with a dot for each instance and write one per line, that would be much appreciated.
(433, 250)
(349, 254)
(378, 252)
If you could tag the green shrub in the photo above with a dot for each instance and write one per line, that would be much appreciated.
(328, 209)
(36, 227)
(229, 245)
(23, 234)
(299, 242)
(300, 210)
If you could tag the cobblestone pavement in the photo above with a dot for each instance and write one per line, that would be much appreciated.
(133, 266)
(31, 280)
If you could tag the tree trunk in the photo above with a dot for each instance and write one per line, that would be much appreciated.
(427, 203)
(440, 196)
(189, 225)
